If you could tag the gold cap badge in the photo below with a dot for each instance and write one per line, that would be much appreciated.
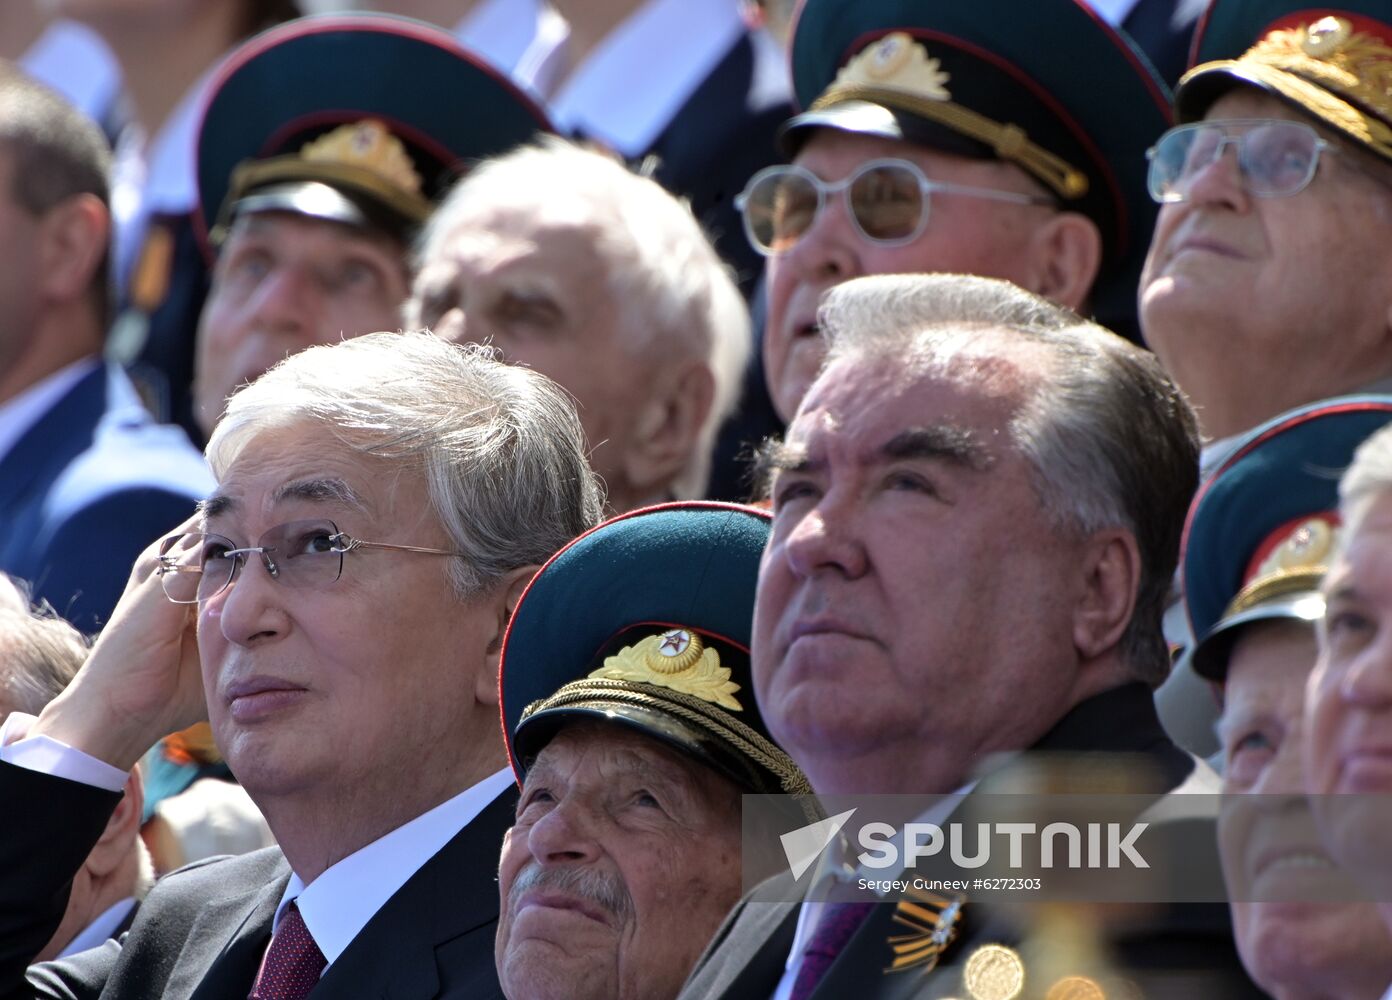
(362, 157)
(674, 673)
(367, 145)
(1292, 561)
(1340, 73)
(675, 659)
(896, 62)
(1326, 36)
(896, 71)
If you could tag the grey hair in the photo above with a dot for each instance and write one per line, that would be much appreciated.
(1368, 477)
(500, 446)
(39, 652)
(1111, 440)
(678, 298)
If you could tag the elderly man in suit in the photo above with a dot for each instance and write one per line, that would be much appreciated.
(976, 515)
(86, 476)
(336, 610)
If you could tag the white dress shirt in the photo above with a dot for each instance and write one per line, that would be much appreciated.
(346, 895)
(339, 903)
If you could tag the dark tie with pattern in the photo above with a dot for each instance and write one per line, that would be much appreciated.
(839, 921)
(293, 961)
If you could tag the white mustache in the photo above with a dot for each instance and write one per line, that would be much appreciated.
(601, 888)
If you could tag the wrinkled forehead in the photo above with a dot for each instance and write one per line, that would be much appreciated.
(300, 466)
(517, 227)
(1367, 541)
(987, 374)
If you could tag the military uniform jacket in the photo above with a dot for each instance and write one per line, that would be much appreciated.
(202, 931)
(747, 957)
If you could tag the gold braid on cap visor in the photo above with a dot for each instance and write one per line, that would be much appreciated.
(896, 71)
(598, 693)
(1329, 69)
(1009, 141)
(1296, 565)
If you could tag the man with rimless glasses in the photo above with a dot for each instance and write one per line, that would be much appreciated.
(996, 138)
(336, 611)
(1269, 282)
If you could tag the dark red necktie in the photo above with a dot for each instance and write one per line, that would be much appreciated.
(838, 923)
(293, 962)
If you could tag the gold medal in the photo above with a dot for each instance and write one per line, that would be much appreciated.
(994, 972)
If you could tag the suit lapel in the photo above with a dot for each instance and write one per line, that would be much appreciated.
(768, 930)
(454, 893)
(201, 973)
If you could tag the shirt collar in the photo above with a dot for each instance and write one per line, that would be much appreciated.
(19, 414)
(1114, 12)
(600, 100)
(337, 905)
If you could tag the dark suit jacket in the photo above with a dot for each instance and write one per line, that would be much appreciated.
(746, 958)
(202, 931)
(86, 489)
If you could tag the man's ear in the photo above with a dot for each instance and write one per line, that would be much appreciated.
(669, 425)
(1066, 254)
(1111, 567)
(122, 829)
(73, 245)
(507, 592)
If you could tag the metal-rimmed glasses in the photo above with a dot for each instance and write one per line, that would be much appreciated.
(1276, 158)
(197, 565)
(887, 200)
